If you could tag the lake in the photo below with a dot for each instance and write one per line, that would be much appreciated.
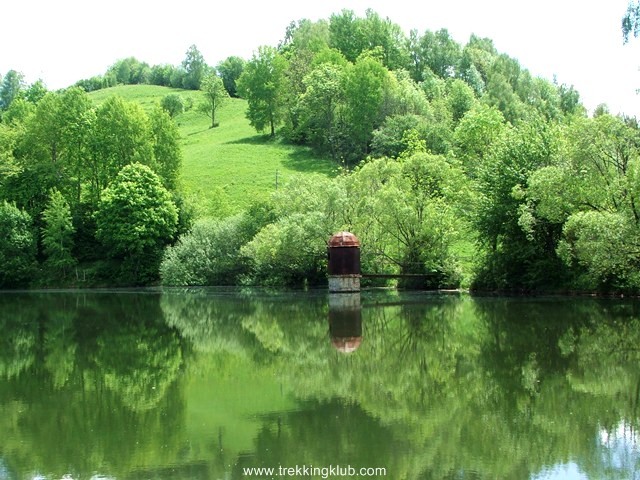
(229, 384)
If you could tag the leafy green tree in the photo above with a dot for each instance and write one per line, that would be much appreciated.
(365, 86)
(475, 135)
(320, 107)
(173, 104)
(407, 212)
(519, 253)
(230, 71)
(122, 135)
(353, 36)
(346, 34)
(18, 112)
(207, 255)
(130, 71)
(12, 85)
(57, 234)
(8, 165)
(437, 52)
(162, 75)
(35, 92)
(460, 98)
(53, 150)
(605, 245)
(135, 213)
(262, 85)
(18, 247)
(391, 139)
(194, 67)
(593, 195)
(166, 148)
(215, 96)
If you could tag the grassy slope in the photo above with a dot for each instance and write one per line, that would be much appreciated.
(226, 168)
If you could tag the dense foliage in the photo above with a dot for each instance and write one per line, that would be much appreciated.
(63, 164)
(457, 164)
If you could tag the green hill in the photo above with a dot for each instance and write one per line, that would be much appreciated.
(228, 167)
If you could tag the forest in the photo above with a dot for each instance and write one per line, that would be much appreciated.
(452, 161)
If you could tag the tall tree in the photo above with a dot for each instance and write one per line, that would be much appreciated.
(215, 96)
(57, 234)
(135, 212)
(262, 85)
(631, 21)
(12, 85)
(320, 105)
(230, 70)
(18, 246)
(135, 219)
(166, 148)
(195, 68)
(122, 135)
(365, 85)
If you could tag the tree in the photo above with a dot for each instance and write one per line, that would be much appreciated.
(230, 70)
(12, 85)
(262, 85)
(166, 148)
(460, 98)
(439, 52)
(57, 233)
(195, 68)
(35, 92)
(135, 213)
(17, 248)
(365, 85)
(54, 149)
(173, 104)
(520, 251)
(215, 95)
(346, 34)
(122, 135)
(407, 213)
(320, 105)
(631, 21)
(475, 134)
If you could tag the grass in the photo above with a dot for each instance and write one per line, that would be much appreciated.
(227, 167)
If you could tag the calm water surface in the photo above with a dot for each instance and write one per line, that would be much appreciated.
(206, 384)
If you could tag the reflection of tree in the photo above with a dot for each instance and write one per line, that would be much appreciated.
(98, 364)
(605, 354)
(441, 386)
(210, 322)
(323, 434)
(139, 362)
(477, 385)
(19, 336)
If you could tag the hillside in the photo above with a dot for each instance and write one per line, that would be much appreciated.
(226, 168)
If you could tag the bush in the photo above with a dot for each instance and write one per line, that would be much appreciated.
(17, 248)
(173, 104)
(208, 255)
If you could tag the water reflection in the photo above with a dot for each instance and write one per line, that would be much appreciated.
(205, 383)
(345, 321)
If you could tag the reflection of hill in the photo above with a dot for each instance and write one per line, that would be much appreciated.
(99, 388)
(477, 385)
(441, 387)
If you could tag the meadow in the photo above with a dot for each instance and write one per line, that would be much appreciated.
(226, 168)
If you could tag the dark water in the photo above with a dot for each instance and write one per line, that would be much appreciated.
(206, 384)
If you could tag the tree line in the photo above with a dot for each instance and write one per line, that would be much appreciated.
(442, 146)
(85, 184)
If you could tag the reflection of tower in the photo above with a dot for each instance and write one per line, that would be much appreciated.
(345, 321)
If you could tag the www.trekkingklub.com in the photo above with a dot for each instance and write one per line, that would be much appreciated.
(311, 471)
